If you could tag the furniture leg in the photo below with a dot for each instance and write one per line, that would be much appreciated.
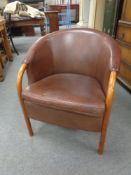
(13, 45)
(7, 47)
(1, 70)
(19, 90)
(109, 98)
(27, 120)
(42, 29)
(53, 20)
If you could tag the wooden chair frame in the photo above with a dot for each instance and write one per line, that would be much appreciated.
(19, 90)
(109, 98)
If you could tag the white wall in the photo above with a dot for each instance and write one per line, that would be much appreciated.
(84, 12)
(99, 17)
(3, 3)
(96, 14)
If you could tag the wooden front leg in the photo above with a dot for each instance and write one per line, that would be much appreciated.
(19, 90)
(109, 98)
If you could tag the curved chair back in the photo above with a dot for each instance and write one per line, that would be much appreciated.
(82, 51)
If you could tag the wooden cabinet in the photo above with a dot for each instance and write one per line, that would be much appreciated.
(124, 39)
(63, 8)
(126, 13)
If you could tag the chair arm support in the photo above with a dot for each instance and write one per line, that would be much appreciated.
(19, 80)
(19, 91)
(110, 90)
(109, 97)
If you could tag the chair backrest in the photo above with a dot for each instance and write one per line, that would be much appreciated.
(80, 50)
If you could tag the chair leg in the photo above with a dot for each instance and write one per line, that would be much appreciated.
(109, 97)
(13, 45)
(102, 140)
(27, 120)
(19, 91)
(28, 124)
(104, 126)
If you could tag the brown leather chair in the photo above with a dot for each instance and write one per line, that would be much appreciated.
(71, 77)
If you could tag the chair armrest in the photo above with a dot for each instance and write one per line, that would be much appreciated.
(19, 91)
(108, 103)
(19, 81)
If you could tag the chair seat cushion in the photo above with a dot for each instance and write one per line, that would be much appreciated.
(70, 92)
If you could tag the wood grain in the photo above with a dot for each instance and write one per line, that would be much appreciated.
(109, 98)
(19, 90)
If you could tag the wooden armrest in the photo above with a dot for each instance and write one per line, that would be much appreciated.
(19, 79)
(19, 82)
(19, 90)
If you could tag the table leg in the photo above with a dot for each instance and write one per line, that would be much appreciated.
(6, 45)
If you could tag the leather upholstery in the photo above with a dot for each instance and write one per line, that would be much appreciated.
(63, 118)
(83, 51)
(69, 92)
(68, 73)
